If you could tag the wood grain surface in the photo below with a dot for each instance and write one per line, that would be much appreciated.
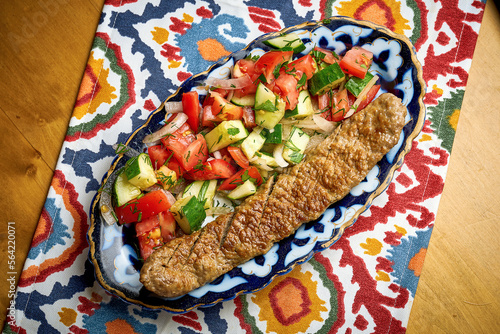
(43, 52)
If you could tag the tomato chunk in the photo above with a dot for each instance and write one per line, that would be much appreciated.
(325, 105)
(167, 225)
(224, 110)
(149, 241)
(147, 225)
(369, 97)
(305, 64)
(211, 170)
(356, 62)
(340, 106)
(183, 136)
(238, 156)
(191, 107)
(286, 87)
(142, 208)
(160, 155)
(196, 153)
(270, 61)
(242, 67)
(208, 119)
(188, 149)
(326, 55)
(239, 178)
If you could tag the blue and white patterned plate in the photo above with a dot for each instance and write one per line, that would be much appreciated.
(112, 247)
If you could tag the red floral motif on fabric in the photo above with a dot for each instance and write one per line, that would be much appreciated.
(265, 18)
(188, 319)
(449, 63)
(179, 26)
(203, 12)
(87, 306)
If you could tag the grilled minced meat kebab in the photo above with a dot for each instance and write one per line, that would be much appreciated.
(280, 206)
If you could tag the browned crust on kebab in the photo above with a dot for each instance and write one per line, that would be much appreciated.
(278, 208)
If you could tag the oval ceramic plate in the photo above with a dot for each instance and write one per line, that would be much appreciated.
(112, 249)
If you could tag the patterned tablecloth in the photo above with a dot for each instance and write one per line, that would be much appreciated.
(366, 282)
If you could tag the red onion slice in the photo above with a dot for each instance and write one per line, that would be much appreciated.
(236, 83)
(173, 107)
(278, 155)
(323, 124)
(171, 127)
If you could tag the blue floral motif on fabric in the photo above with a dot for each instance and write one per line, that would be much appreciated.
(57, 232)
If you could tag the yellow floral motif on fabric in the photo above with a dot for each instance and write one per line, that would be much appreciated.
(382, 276)
(453, 119)
(372, 246)
(160, 35)
(187, 18)
(383, 12)
(425, 137)
(174, 64)
(400, 230)
(437, 89)
(67, 316)
(95, 89)
(294, 301)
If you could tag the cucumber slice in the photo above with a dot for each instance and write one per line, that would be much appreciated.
(124, 191)
(189, 213)
(328, 78)
(304, 107)
(243, 190)
(253, 142)
(273, 136)
(140, 171)
(226, 133)
(203, 190)
(287, 42)
(265, 99)
(269, 119)
(295, 146)
(264, 158)
(356, 85)
(244, 101)
(166, 177)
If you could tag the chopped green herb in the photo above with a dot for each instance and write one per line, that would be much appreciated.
(121, 149)
(233, 131)
(302, 81)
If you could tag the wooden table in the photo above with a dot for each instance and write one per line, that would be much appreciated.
(43, 52)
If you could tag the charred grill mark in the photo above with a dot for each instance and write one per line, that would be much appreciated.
(268, 196)
(173, 253)
(195, 242)
(226, 229)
